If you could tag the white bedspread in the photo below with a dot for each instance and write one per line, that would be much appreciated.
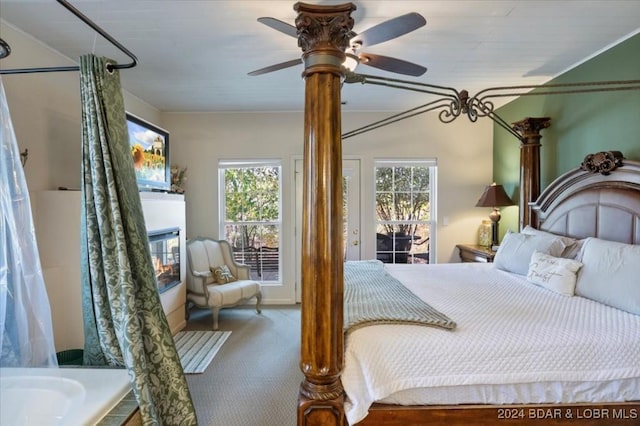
(509, 331)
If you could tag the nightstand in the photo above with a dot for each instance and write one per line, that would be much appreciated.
(475, 253)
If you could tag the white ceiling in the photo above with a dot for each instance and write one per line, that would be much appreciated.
(195, 55)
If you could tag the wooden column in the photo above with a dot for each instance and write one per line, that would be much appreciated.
(529, 128)
(323, 35)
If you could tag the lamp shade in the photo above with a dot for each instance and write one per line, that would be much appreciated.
(494, 196)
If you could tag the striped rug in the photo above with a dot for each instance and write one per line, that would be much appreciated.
(197, 348)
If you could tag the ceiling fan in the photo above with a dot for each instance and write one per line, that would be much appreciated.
(382, 32)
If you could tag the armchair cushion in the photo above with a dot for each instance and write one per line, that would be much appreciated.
(230, 294)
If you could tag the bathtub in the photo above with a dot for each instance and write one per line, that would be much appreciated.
(59, 396)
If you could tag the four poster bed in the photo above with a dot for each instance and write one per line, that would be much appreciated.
(499, 348)
(517, 343)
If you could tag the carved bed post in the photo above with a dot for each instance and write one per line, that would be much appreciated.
(529, 128)
(323, 35)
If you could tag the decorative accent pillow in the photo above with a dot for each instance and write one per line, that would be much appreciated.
(553, 273)
(223, 274)
(515, 251)
(610, 274)
(572, 248)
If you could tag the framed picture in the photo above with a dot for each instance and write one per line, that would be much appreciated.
(150, 152)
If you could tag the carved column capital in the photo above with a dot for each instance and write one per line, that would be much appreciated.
(530, 127)
(323, 35)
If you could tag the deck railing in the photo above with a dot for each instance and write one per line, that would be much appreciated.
(261, 260)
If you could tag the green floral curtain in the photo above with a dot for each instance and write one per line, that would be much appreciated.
(123, 319)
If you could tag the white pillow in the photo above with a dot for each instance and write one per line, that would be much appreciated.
(553, 273)
(572, 247)
(515, 251)
(611, 274)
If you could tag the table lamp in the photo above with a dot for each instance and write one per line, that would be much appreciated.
(494, 196)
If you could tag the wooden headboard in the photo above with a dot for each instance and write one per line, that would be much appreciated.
(593, 203)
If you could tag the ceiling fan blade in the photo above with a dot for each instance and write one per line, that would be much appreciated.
(276, 67)
(390, 29)
(392, 64)
(279, 25)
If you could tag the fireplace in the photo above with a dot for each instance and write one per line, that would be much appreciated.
(165, 255)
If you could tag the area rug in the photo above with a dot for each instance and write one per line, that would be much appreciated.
(197, 348)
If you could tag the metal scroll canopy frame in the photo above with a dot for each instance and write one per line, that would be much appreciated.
(95, 27)
(453, 103)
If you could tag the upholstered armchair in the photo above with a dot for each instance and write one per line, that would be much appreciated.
(215, 280)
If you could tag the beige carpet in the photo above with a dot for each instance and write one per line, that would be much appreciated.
(255, 377)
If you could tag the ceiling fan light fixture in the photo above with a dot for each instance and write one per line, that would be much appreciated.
(351, 62)
(382, 32)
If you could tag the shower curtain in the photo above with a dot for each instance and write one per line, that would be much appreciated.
(123, 318)
(26, 331)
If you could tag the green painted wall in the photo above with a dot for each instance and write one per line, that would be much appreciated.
(580, 123)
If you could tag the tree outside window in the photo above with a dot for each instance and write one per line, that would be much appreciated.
(403, 211)
(250, 203)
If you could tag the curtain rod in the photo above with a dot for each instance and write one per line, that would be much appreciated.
(453, 103)
(95, 27)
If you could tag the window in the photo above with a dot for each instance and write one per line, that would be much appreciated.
(250, 220)
(405, 210)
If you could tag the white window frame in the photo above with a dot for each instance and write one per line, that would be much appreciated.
(222, 222)
(432, 164)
